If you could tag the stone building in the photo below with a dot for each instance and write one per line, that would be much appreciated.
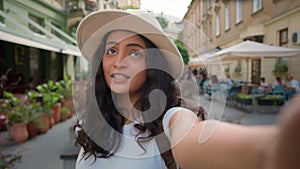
(124, 3)
(37, 39)
(224, 23)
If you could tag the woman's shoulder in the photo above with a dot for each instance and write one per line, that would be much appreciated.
(172, 114)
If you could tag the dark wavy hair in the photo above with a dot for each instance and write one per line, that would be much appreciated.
(156, 79)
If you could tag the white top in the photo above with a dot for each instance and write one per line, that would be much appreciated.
(294, 84)
(278, 84)
(264, 84)
(130, 154)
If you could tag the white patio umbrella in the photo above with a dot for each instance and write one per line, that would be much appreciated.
(250, 50)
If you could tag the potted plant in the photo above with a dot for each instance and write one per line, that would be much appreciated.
(32, 114)
(280, 69)
(65, 113)
(65, 88)
(238, 70)
(16, 117)
(51, 97)
(45, 115)
(244, 98)
(270, 100)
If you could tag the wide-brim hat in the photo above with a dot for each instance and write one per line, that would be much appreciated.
(94, 26)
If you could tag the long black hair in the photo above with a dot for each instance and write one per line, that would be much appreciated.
(156, 79)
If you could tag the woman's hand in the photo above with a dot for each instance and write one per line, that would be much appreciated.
(285, 152)
(231, 146)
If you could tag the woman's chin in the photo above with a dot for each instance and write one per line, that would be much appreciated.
(120, 90)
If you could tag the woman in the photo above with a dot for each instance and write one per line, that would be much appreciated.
(135, 117)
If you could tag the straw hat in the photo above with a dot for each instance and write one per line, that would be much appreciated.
(95, 25)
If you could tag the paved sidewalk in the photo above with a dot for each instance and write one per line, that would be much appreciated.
(43, 151)
(217, 110)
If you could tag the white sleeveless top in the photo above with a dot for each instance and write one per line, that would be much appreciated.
(129, 154)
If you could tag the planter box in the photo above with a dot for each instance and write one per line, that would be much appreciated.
(244, 101)
(269, 102)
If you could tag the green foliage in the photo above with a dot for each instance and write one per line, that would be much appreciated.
(271, 97)
(33, 108)
(64, 110)
(238, 69)
(183, 51)
(129, 7)
(8, 161)
(15, 112)
(163, 21)
(50, 95)
(64, 87)
(244, 96)
(280, 69)
(27, 112)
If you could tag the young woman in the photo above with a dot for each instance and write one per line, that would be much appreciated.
(135, 118)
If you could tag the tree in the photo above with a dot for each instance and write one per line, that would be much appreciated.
(183, 51)
(129, 7)
(280, 69)
(162, 20)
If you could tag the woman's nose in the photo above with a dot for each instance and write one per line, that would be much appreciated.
(120, 61)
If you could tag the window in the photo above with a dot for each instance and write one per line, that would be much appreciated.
(257, 5)
(37, 20)
(210, 3)
(283, 37)
(217, 25)
(282, 63)
(204, 7)
(227, 17)
(239, 11)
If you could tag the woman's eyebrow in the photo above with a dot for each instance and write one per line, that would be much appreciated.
(135, 44)
(112, 43)
(128, 45)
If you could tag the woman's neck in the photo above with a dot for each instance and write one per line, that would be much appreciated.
(125, 104)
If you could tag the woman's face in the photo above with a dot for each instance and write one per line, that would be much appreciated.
(124, 62)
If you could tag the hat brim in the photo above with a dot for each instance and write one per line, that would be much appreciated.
(93, 27)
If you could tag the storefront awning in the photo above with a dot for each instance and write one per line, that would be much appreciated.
(25, 41)
(29, 38)
(39, 42)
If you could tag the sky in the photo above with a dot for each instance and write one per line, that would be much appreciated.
(176, 8)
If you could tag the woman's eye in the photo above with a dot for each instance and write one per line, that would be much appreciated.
(136, 54)
(111, 51)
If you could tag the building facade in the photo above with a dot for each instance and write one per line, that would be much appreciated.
(126, 3)
(37, 38)
(228, 22)
(35, 41)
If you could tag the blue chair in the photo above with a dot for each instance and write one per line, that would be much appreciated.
(213, 88)
(205, 87)
(233, 91)
(280, 90)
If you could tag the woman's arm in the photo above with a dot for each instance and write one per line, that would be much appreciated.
(234, 146)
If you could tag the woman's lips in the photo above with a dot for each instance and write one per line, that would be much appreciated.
(119, 77)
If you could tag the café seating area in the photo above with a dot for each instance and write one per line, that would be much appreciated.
(248, 96)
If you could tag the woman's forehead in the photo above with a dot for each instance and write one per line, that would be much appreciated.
(122, 35)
